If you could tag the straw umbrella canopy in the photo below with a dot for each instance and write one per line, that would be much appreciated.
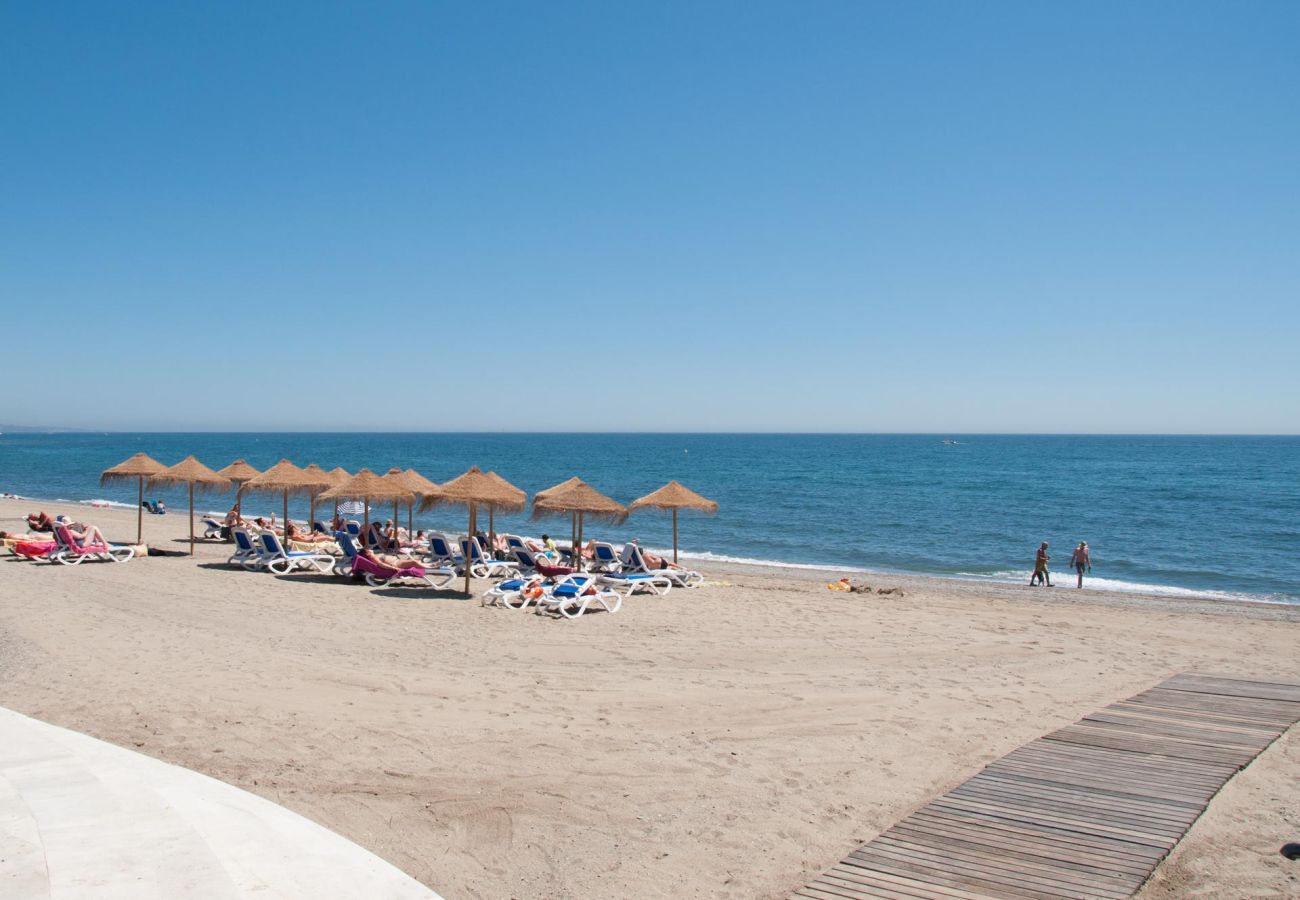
(523, 499)
(240, 473)
(674, 496)
(414, 490)
(139, 467)
(424, 487)
(578, 500)
(367, 486)
(321, 481)
(285, 478)
(473, 489)
(338, 475)
(189, 471)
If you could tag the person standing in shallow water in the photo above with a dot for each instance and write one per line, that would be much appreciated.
(1081, 560)
(1041, 575)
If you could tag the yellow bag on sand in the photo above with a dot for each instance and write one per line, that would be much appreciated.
(841, 585)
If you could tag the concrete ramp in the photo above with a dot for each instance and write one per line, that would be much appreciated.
(82, 818)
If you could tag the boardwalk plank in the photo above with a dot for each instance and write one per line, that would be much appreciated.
(1102, 787)
(1083, 813)
(1082, 803)
(1023, 846)
(1073, 844)
(884, 884)
(850, 871)
(992, 860)
(1232, 687)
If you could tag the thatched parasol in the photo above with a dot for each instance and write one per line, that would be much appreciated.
(675, 496)
(338, 475)
(366, 486)
(285, 478)
(473, 489)
(492, 517)
(403, 480)
(190, 471)
(579, 500)
(139, 467)
(240, 473)
(321, 481)
(423, 486)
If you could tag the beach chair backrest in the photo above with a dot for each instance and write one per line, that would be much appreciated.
(438, 546)
(471, 549)
(366, 567)
(571, 586)
(632, 557)
(514, 542)
(272, 544)
(525, 557)
(605, 553)
(346, 544)
(353, 527)
(63, 538)
(319, 527)
(243, 540)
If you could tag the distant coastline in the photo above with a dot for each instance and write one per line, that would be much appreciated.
(41, 429)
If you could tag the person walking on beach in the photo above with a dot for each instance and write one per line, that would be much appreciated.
(1041, 575)
(1080, 560)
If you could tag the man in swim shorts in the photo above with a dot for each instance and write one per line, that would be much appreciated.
(1081, 560)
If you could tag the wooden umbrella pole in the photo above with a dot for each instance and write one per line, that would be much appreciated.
(191, 518)
(469, 546)
(139, 511)
(311, 516)
(410, 520)
(579, 564)
(674, 534)
(365, 532)
(573, 536)
(492, 530)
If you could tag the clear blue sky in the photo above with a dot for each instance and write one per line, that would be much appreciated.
(817, 216)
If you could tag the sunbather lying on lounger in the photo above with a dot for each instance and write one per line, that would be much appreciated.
(657, 562)
(86, 535)
(393, 562)
(266, 526)
(307, 537)
(40, 521)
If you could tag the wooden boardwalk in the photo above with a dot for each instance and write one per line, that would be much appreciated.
(1085, 812)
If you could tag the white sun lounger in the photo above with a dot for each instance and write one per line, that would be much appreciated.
(277, 560)
(633, 561)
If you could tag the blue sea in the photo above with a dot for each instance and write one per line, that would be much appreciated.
(1210, 516)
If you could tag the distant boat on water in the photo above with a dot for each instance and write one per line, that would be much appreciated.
(950, 441)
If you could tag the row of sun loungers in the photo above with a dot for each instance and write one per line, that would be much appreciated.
(527, 579)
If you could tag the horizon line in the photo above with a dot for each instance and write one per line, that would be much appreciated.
(66, 430)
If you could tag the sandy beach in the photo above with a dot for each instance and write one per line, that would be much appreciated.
(729, 741)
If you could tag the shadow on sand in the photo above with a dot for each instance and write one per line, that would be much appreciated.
(336, 581)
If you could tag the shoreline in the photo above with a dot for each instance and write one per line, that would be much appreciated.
(724, 563)
(727, 741)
